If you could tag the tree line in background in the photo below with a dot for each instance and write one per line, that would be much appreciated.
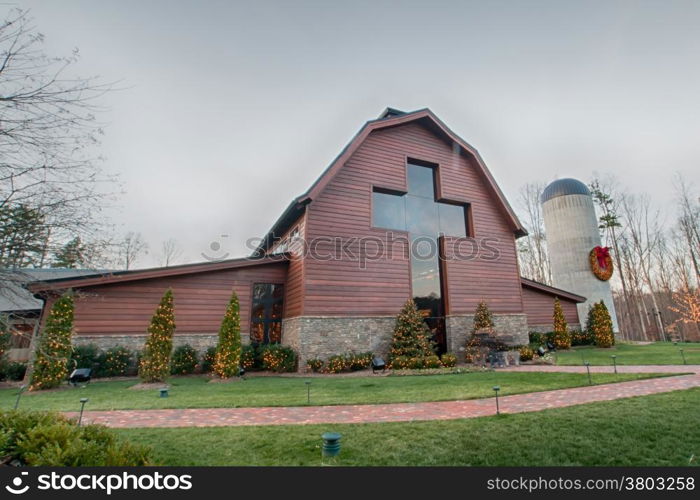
(656, 285)
(52, 188)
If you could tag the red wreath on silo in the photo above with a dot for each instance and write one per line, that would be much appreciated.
(601, 263)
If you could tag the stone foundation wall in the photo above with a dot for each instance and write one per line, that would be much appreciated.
(549, 328)
(136, 342)
(322, 337)
(511, 328)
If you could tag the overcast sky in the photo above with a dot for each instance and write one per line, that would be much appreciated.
(230, 109)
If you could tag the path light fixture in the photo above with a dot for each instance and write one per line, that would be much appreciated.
(19, 395)
(497, 388)
(164, 392)
(82, 407)
(331, 444)
(588, 370)
(614, 358)
(683, 356)
(308, 392)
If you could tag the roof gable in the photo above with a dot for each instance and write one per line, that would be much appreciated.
(392, 118)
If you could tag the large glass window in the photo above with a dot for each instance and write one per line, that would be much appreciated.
(453, 221)
(425, 219)
(421, 181)
(388, 211)
(266, 313)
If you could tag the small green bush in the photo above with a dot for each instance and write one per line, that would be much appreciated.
(526, 353)
(336, 364)
(50, 439)
(114, 362)
(184, 360)
(579, 337)
(431, 362)
(207, 362)
(448, 360)
(315, 365)
(360, 361)
(251, 358)
(278, 358)
(538, 338)
(12, 371)
(85, 356)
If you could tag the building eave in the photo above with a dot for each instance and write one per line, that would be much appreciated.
(558, 292)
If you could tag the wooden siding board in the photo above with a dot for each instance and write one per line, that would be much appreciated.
(539, 307)
(343, 209)
(200, 301)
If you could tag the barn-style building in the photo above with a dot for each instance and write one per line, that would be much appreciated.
(407, 210)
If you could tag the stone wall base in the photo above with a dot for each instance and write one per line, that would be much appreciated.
(549, 328)
(322, 336)
(511, 328)
(200, 341)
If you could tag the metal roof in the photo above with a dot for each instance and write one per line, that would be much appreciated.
(15, 297)
(564, 187)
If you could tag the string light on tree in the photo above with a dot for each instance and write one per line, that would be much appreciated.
(155, 361)
(411, 343)
(227, 360)
(562, 337)
(54, 349)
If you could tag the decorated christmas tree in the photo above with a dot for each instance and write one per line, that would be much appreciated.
(483, 322)
(562, 337)
(483, 319)
(411, 339)
(155, 361)
(601, 325)
(54, 348)
(228, 350)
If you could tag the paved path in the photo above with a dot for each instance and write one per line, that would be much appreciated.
(407, 412)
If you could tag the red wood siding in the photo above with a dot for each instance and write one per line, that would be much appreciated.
(539, 307)
(200, 300)
(294, 291)
(340, 287)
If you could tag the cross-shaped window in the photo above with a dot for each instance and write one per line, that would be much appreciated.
(419, 212)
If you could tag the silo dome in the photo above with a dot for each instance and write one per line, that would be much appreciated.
(563, 187)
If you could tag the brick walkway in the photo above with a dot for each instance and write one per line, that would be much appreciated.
(407, 412)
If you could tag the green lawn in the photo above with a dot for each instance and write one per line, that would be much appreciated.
(658, 353)
(196, 392)
(656, 430)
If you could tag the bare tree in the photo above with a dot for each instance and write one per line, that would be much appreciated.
(689, 222)
(532, 249)
(48, 137)
(170, 252)
(644, 228)
(131, 247)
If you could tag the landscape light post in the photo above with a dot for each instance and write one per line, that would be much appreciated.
(19, 395)
(683, 356)
(308, 392)
(588, 370)
(82, 407)
(497, 388)
(614, 358)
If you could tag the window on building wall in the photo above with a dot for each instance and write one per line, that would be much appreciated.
(266, 313)
(388, 210)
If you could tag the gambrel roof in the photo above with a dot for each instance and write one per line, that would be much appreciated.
(389, 118)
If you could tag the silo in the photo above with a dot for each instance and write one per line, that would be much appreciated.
(572, 232)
